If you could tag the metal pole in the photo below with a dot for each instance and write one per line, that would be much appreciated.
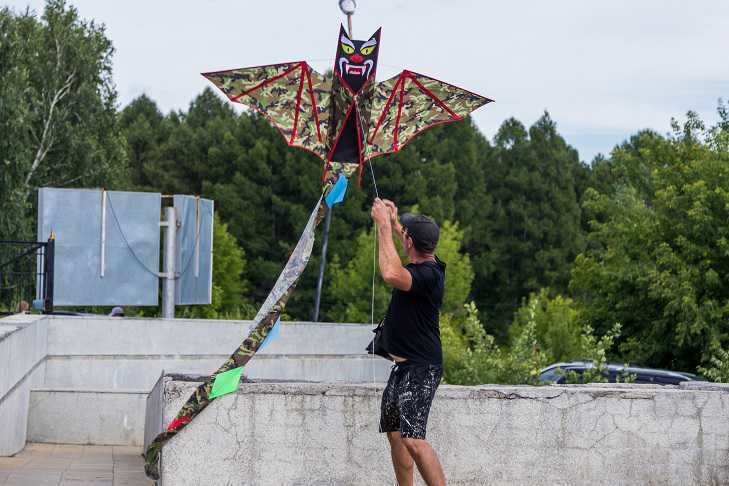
(168, 284)
(323, 263)
(349, 24)
(102, 251)
(49, 263)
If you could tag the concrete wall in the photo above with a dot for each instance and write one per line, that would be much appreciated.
(22, 351)
(118, 354)
(91, 374)
(320, 434)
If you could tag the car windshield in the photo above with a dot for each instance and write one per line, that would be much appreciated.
(551, 375)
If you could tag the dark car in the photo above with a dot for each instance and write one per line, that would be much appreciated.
(555, 373)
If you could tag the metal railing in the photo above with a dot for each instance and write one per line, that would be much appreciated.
(26, 276)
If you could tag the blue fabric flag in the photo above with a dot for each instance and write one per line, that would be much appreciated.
(336, 195)
(272, 334)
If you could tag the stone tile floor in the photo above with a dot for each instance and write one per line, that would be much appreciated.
(77, 465)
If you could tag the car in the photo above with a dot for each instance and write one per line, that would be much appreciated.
(555, 373)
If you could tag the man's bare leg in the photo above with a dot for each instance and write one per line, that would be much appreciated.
(402, 461)
(427, 461)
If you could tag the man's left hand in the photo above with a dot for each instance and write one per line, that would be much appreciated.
(380, 213)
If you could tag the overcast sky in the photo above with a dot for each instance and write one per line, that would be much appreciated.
(603, 69)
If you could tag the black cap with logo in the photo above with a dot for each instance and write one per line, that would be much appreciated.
(422, 229)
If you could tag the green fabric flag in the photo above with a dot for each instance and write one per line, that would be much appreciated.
(226, 382)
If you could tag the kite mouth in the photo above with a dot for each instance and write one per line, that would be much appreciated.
(352, 69)
(346, 67)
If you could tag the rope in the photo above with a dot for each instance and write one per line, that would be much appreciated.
(124, 237)
(372, 303)
(374, 275)
(186, 266)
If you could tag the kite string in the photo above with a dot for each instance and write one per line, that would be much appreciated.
(374, 275)
(374, 182)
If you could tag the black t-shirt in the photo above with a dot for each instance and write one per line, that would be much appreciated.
(411, 325)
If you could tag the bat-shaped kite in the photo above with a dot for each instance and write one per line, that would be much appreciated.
(346, 117)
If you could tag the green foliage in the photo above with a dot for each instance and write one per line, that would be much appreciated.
(558, 325)
(659, 247)
(595, 351)
(472, 357)
(531, 232)
(57, 110)
(469, 354)
(459, 272)
(349, 285)
(717, 366)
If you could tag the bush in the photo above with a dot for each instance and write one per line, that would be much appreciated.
(471, 356)
(717, 368)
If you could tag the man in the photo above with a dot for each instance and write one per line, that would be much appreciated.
(411, 337)
(23, 307)
(117, 312)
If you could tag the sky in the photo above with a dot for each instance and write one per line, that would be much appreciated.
(603, 69)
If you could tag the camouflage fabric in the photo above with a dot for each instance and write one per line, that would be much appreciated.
(310, 110)
(336, 168)
(405, 105)
(292, 96)
(265, 320)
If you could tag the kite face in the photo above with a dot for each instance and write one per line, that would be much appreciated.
(356, 61)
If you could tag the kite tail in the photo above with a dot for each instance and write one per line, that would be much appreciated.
(265, 319)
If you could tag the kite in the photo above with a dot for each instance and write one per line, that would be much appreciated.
(345, 118)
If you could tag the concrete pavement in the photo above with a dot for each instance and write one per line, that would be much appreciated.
(77, 465)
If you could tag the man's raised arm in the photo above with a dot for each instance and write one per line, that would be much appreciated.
(391, 268)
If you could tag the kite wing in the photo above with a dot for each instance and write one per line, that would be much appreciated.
(292, 96)
(407, 104)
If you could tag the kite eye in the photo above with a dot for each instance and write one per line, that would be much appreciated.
(366, 51)
(347, 49)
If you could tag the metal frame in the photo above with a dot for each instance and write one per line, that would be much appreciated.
(41, 270)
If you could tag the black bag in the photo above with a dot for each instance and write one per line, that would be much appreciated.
(376, 345)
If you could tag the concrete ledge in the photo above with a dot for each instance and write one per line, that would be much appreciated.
(125, 371)
(99, 335)
(22, 351)
(323, 434)
(103, 417)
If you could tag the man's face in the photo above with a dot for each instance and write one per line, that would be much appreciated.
(407, 241)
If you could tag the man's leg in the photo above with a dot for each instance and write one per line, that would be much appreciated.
(402, 461)
(426, 460)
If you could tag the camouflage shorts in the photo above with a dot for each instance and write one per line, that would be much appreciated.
(407, 398)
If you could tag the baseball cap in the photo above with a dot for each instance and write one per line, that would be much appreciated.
(422, 229)
(117, 312)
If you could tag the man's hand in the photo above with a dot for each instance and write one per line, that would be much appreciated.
(393, 211)
(380, 213)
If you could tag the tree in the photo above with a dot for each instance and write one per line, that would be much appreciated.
(57, 110)
(145, 131)
(533, 229)
(658, 249)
